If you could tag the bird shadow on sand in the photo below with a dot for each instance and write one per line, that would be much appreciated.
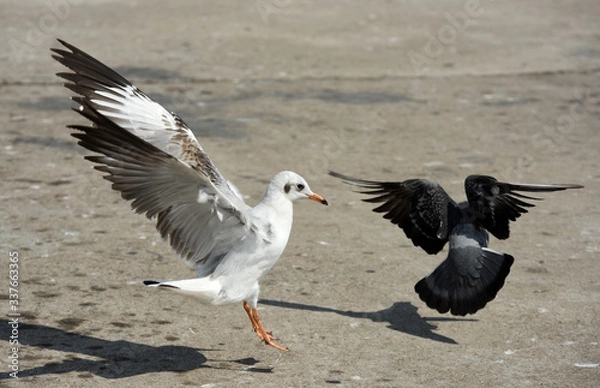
(401, 316)
(104, 358)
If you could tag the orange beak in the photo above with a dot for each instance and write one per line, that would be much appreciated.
(317, 198)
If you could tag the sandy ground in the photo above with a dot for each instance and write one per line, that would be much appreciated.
(383, 90)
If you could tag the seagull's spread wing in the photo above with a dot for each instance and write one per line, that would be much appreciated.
(420, 207)
(154, 159)
(493, 204)
(117, 99)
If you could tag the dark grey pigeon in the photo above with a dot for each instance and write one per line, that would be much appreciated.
(472, 274)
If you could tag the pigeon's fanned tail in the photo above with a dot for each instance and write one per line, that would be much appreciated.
(447, 290)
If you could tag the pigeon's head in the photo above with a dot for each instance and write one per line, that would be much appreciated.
(294, 187)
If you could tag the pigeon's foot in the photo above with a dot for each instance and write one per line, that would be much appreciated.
(258, 328)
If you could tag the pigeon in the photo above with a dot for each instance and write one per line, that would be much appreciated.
(472, 274)
(154, 160)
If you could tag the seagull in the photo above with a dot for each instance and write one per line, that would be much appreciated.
(154, 160)
(472, 274)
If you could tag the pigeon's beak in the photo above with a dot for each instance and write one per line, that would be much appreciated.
(317, 198)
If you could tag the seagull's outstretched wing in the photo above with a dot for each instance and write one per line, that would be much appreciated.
(420, 207)
(153, 158)
(493, 204)
(117, 99)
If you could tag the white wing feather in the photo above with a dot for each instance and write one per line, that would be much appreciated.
(154, 159)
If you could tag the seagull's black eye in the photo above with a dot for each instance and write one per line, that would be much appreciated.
(300, 186)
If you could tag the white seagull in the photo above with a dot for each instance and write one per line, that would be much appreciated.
(153, 158)
(472, 274)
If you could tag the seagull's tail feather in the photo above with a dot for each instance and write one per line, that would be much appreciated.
(205, 289)
(448, 289)
(157, 283)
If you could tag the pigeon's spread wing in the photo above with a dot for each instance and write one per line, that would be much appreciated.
(493, 203)
(420, 207)
(153, 159)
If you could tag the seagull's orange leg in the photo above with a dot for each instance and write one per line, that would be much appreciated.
(259, 329)
(249, 312)
(255, 324)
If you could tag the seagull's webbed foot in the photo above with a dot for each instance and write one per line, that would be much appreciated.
(257, 326)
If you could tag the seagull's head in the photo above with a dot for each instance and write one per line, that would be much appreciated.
(294, 187)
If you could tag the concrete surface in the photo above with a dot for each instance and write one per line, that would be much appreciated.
(383, 90)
